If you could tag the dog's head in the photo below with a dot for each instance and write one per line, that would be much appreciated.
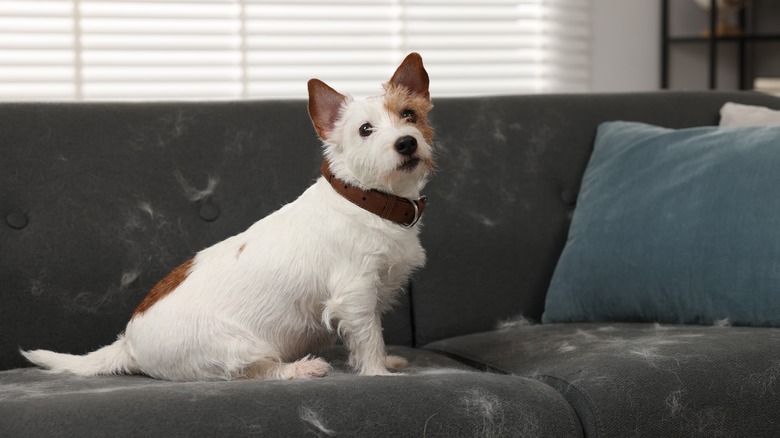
(382, 142)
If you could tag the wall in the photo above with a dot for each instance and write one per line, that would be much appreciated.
(626, 45)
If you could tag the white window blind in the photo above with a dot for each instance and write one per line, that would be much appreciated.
(191, 49)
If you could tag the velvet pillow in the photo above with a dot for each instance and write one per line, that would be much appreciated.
(674, 226)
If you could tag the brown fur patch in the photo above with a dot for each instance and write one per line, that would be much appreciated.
(164, 287)
(398, 99)
(240, 250)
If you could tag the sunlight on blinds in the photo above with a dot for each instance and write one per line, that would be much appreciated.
(190, 49)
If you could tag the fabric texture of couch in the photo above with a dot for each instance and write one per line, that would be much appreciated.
(101, 200)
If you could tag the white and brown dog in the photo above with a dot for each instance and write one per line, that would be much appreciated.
(259, 304)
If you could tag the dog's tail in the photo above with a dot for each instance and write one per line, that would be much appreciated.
(111, 359)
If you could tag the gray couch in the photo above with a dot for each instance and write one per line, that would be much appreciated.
(100, 200)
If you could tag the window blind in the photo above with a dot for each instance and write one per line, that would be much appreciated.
(199, 49)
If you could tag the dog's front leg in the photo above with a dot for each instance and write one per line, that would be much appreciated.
(367, 348)
(354, 306)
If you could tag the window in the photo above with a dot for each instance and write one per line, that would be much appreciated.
(191, 49)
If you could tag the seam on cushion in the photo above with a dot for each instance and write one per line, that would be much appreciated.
(474, 363)
(573, 425)
(469, 361)
(558, 385)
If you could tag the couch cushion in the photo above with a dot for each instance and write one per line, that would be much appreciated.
(439, 397)
(644, 379)
(674, 226)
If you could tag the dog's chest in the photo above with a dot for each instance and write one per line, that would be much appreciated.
(407, 256)
(397, 267)
(321, 243)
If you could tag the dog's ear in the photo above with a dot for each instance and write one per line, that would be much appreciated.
(324, 107)
(412, 75)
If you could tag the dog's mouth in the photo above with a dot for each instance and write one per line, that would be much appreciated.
(409, 164)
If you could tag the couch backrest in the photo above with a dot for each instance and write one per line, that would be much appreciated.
(500, 206)
(99, 201)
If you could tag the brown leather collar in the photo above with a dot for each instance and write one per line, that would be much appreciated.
(402, 211)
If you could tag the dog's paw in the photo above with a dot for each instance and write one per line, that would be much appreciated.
(308, 367)
(396, 362)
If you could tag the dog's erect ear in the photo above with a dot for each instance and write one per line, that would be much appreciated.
(412, 75)
(324, 107)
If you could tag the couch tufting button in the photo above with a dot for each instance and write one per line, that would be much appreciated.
(569, 196)
(17, 221)
(209, 212)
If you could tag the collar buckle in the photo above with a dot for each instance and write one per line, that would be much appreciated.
(417, 214)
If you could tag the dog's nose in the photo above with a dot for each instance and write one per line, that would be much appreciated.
(406, 145)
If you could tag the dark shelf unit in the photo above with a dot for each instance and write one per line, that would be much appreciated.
(743, 41)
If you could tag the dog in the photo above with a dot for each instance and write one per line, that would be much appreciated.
(263, 303)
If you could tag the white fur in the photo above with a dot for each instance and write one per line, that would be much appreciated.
(371, 161)
(258, 304)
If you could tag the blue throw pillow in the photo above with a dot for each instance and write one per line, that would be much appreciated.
(674, 226)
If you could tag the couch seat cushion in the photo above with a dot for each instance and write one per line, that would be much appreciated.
(438, 397)
(644, 379)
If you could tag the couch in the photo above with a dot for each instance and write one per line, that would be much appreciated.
(100, 200)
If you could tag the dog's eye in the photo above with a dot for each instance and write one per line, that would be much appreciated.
(366, 129)
(409, 116)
